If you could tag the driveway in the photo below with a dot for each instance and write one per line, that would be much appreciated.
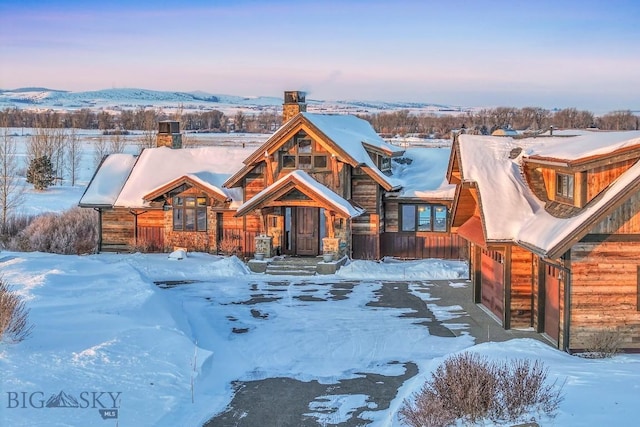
(363, 393)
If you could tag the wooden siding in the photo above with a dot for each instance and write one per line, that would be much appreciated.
(521, 288)
(599, 178)
(604, 292)
(624, 220)
(149, 234)
(423, 245)
(117, 230)
(365, 246)
(466, 206)
(366, 193)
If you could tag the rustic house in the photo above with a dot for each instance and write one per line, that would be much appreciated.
(554, 231)
(321, 183)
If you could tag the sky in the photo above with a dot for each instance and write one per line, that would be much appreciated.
(547, 53)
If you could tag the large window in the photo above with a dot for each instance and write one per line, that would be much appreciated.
(564, 185)
(302, 153)
(189, 213)
(423, 217)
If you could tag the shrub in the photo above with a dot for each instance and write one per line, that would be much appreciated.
(145, 245)
(470, 389)
(73, 232)
(603, 344)
(14, 316)
(229, 244)
(14, 225)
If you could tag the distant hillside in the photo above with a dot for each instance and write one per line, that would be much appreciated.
(130, 98)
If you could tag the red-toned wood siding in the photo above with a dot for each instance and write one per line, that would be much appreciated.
(424, 245)
(604, 292)
(599, 178)
(521, 288)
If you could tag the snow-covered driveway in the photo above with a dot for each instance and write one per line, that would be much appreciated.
(102, 325)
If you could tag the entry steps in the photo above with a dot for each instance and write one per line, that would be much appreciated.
(293, 266)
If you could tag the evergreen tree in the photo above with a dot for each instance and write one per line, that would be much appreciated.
(40, 173)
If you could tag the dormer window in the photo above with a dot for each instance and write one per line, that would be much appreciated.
(564, 186)
(385, 163)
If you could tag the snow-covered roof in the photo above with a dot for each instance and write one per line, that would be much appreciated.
(510, 210)
(303, 179)
(124, 181)
(422, 173)
(159, 166)
(351, 133)
(108, 180)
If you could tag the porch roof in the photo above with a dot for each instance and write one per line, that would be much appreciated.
(301, 181)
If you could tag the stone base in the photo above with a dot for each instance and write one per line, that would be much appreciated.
(330, 267)
(257, 266)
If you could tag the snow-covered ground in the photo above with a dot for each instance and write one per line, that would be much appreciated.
(106, 337)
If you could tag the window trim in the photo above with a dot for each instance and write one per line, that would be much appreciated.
(565, 186)
(434, 222)
(185, 207)
(308, 151)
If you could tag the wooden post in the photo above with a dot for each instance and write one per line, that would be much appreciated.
(268, 169)
(334, 172)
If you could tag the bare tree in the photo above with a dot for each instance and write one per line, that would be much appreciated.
(11, 187)
(117, 143)
(149, 123)
(74, 155)
(99, 150)
(49, 142)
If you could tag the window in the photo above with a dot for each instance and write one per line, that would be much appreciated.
(564, 185)
(385, 163)
(189, 213)
(301, 152)
(423, 217)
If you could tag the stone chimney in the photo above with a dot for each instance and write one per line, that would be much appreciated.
(169, 134)
(294, 103)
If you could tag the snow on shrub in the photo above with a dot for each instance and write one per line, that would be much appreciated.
(74, 231)
(470, 389)
(14, 316)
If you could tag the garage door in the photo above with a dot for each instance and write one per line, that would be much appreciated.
(552, 302)
(492, 287)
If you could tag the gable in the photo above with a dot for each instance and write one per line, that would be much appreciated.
(299, 189)
(345, 138)
(182, 184)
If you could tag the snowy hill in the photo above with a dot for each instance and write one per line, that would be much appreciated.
(131, 98)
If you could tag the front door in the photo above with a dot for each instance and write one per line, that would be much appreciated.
(307, 236)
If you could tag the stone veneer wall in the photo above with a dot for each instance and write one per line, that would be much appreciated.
(199, 241)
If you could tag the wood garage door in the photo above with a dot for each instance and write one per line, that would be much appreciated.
(552, 302)
(492, 286)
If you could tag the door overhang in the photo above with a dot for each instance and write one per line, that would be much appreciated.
(299, 189)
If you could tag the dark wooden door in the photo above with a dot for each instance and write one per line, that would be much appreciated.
(552, 302)
(492, 286)
(307, 235)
